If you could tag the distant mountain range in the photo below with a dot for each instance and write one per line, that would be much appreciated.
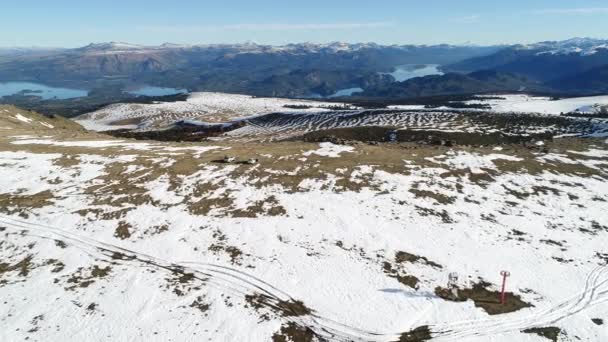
(246, 68)
(16, 51)
(546, 60)
(574, 66)
(455, 83)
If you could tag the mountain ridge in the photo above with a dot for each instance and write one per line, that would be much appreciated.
(544, 61)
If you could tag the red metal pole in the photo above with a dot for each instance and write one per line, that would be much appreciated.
(503, 294)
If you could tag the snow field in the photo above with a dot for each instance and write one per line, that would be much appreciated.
(326, 250)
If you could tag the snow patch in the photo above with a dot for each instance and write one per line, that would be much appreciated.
(203, 107)
(23, 118)
(473, 161)
(83, 143)
(47, 125)
(543, 105)
(329, 150)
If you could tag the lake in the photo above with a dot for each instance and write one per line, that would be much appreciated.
(346, 92)
(156, 91)
(339, 93)
(409, 71)
(48, 92)
(36, 89)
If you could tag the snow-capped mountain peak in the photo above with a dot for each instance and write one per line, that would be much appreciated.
(113, 46)
(580, 46)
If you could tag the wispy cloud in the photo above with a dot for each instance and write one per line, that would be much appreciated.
(469, 19)
(267, 27)
(580, 10)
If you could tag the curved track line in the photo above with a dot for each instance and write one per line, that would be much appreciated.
(226, 278)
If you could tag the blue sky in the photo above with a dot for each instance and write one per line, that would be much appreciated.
(72, 23)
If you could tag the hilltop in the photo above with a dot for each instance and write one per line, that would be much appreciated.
(13, 119)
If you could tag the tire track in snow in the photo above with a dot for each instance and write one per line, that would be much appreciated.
(226, 278)
(594, 292)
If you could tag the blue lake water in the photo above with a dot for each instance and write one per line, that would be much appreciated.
(339, 93)
(36, 89)
(401, 73)
(409, 71)
(346, 92)
(156, 91)
(48, 92)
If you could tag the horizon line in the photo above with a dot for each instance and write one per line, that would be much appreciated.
(463, 44)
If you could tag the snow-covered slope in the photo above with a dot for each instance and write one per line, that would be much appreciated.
(544, 105)
(579, 46)
(261, 119)
(206, 107)
(117, 240)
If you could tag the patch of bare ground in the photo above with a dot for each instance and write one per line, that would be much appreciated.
(23, 267)
(552, 242)
(289, 168)
(405, 279)
(220, 246)
(156, 230)
(120, 256)
(58, 266)
(597, 227)
(281, 308)
(117, 188)
(92, 307)
(182, 282)
(267, 207)
(436, 196)
(84, 278)
(404, 257)
(419, 334)
(486, 299)
(34, 323)
(123, 230)
(23, 204)
(291, 332)
(204, 205)
(234, 253)
(67, 161)
(200, 304)
(26, 265)
(550, 333)
(442, 214)
(603, 257)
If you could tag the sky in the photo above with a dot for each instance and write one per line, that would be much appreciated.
(74, 23)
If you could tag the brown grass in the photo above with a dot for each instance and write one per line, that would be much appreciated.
(485, 299)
